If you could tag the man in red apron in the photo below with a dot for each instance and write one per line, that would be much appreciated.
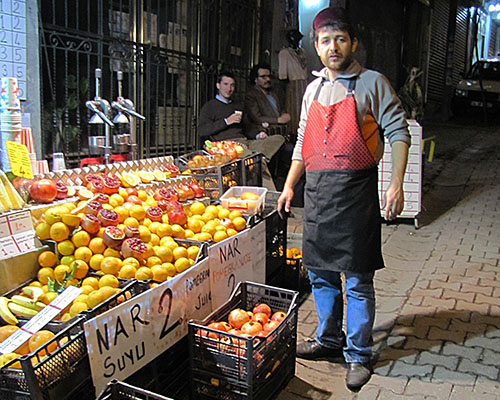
(339, 144)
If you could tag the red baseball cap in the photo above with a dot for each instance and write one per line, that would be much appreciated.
(330, 16)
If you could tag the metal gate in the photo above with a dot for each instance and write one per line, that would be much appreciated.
(169, 52)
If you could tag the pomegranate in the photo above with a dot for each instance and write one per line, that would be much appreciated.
(197, 189)
(92, 207)
(177, 217)
(173, 169)
(132, 231)
(251, 328)
(96, 185)
(165, 194)
(113, 237)
(238, 317)
(134, 247)
(102, 198)
(43, 190)
(134, 199)
(62, 191)
(262, 334)
(260, 317)
(174, 205)
(90, 223)
(131, 191)
(278, 316)
(163, 204)
(154, 213)
(228, 223)
(270, 325)
(111, 184)
(262, 308)
(108, 217)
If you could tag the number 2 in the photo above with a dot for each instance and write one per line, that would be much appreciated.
(168, 293)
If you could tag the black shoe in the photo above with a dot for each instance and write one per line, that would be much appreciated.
(358, 374)
(312, 350)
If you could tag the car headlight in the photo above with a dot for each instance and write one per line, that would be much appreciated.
(461, 93)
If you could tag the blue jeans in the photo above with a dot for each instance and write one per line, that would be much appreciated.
(360, 312)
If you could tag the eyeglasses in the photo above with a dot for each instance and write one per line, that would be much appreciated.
(265, 76)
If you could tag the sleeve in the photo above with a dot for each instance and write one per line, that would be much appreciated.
(388, 112)
(209, 124)
(253, 110)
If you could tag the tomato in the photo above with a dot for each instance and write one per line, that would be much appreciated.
(238, 317)
(43, 190)
(262, 308)
(251, 328)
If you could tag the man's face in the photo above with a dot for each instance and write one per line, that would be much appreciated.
(226, 87)
(263, 79)
(335, 49)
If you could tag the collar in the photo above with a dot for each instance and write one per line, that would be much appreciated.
(223, 99)
(352, 71)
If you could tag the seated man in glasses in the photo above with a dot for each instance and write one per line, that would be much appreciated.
(222, 118)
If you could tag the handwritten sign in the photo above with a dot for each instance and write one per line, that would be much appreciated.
(230, 262)
(19, 159)
(16, 234)
(129, 336)
(198, 294)
(42, 318)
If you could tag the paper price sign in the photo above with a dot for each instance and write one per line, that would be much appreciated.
(19, 159)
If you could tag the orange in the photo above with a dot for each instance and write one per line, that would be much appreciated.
(77, 308)
(137, 212)
(109, 252)
(96, 245)
(224, 213)
(83, 253)
(81, 298)
(6, 331)
(197, 208)
(107, 206)
(71, 220)
(48, 297)
(39, 339)
(195, 225)
(171, 244)
(59, 231)
(81, 238)
(179, 252)
(164, 230)
(164, 253)
(142, 193)
(132, 261)
(111, 265)
(153, 227)
(60, 272)
(150, 201)
(95, 261)
(153, 260)
(144, 274)
(146, 222)
(155, 239)
(144, 234)
(115, 198)
(249, 196)
(235, 213)
(219, 236)
(107, 292)
(192, 252)
(44, 274)
(160, 273)
(170, 269)
(101, 232)
(81, 269)
(36, 284)
(87, 289)
(66, 247)
(182, 264)
(127, 271)
(164, 218)
(67, 260)
(108, 280)
(178, 231)
(207, 216)
(204, 236)
(212, 209)
(123, 192)
(209, 228)
(52, 215)
(122, 213)
(91, 281)
(131, 221)
(42, 230)
(95, 298)
(239, 223)
(231, 232)
(189, 233)
(47, 259)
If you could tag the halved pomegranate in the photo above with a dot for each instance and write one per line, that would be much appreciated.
(131, 231)
(90, 223)
(113, 237)
(134, 247)
(92, 207)
(62, 191)
(154, 213)
(108, 217)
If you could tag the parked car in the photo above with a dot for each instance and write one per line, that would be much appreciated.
(468, 96)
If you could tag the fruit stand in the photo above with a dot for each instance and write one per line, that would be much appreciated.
(102, 273)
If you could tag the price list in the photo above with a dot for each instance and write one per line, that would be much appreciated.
(13, 42)
(17, 235)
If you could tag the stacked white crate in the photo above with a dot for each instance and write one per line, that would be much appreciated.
(412, 185)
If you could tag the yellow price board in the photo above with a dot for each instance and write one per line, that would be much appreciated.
(19, 159)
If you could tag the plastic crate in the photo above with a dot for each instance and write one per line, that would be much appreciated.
(231, 367)
(230, 199)
(54, 377)
(251, 170)
(276, 231)
(117, 390)
(219, 179)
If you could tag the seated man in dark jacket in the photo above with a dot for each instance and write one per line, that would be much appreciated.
(222, 119)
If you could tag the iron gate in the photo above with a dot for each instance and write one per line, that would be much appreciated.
(168, 50)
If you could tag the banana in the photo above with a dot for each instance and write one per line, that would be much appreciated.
(14, 197)
(22, 311)
(4, 198)
(33, 292)
(5, 312)
(26, 302)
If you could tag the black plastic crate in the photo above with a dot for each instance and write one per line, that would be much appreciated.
(226, 366)
(276, 230)
(54, 377)
(219, 179)
(117, 390)
(251, 170)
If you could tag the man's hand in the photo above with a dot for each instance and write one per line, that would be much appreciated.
(284, 202)
(261, 135)
(393, 201)
(234, 118)
(283, 118)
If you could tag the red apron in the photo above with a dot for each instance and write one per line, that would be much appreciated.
(342, 227)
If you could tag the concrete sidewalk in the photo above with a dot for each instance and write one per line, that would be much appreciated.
(437, 327)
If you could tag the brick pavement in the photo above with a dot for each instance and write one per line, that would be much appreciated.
(437, 327)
